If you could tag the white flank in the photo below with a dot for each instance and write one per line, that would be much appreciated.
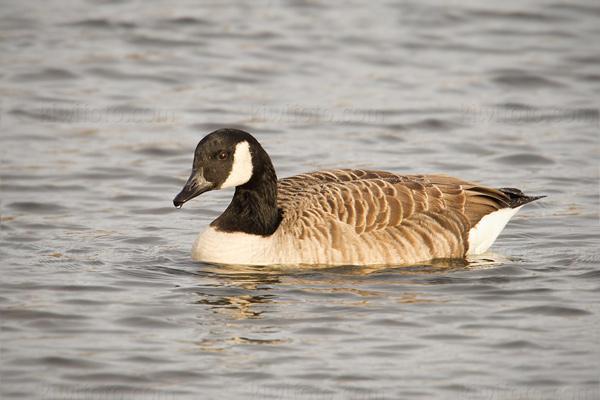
(482, 235)
(241, 170)
(233, 248)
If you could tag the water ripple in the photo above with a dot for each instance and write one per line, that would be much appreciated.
(99, 297)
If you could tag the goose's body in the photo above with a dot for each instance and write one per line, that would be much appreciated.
(338, 217)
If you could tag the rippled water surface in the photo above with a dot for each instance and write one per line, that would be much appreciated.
(103, 103)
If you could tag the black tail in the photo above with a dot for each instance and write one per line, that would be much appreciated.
(517, 198)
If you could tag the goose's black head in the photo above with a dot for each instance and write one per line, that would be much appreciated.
(223, 159)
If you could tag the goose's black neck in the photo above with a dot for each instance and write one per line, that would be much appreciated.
(253, 208)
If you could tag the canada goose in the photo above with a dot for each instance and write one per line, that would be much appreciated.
(337, 217)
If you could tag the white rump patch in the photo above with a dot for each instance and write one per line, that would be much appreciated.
(241, 170)
(482, 235)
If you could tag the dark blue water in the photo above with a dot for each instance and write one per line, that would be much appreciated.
(103, 103)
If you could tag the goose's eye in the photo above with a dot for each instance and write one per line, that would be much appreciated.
(222, 156)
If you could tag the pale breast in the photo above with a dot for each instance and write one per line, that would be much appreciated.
(233, 248)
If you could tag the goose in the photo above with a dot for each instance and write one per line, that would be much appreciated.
(339, 216)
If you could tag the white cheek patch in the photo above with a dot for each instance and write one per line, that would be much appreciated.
(241, 170)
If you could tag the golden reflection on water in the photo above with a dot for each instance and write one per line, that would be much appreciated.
(257, 281)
